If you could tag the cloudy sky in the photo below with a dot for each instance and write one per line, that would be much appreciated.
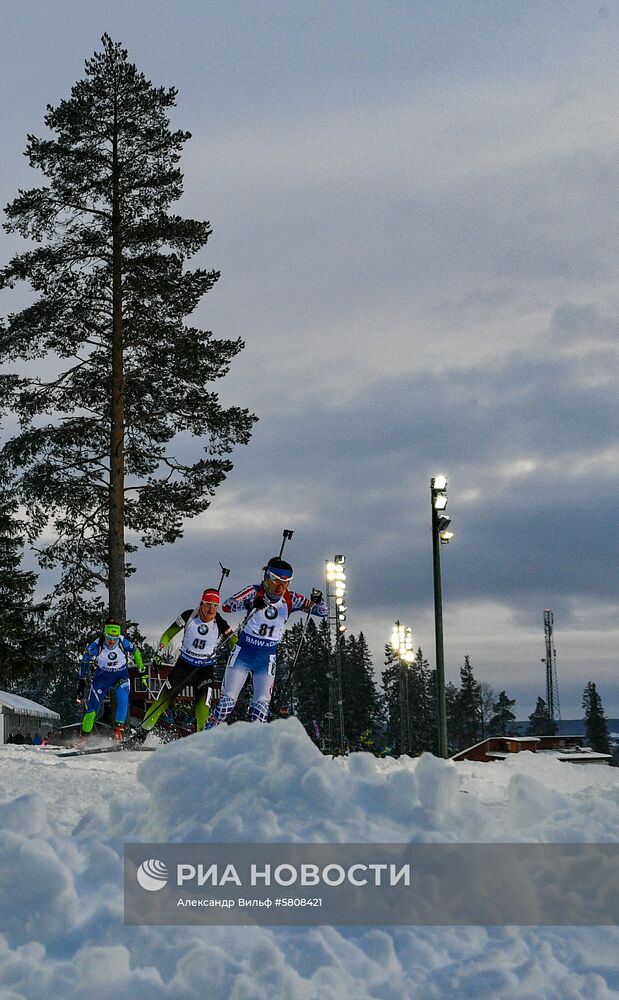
(415, 209)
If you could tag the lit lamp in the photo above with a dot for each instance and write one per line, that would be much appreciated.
(336, 587)
(402, 642)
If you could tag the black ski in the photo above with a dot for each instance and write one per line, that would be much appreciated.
(130, 744)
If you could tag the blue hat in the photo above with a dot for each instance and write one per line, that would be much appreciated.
(279, 569)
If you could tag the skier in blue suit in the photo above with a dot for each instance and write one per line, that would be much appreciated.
(111, 653)
(268, 605)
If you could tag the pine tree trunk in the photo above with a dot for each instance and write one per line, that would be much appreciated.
(117, 413)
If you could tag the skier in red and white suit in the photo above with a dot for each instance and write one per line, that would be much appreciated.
(268, 605)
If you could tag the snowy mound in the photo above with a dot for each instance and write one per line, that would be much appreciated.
(64, 822)
(270, 783)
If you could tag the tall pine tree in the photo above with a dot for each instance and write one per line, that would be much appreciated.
(123, 374)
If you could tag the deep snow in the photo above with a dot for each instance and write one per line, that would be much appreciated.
(63, 824)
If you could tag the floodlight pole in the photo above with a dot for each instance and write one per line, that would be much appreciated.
(400, 644)
(337, 617)
(443, 750)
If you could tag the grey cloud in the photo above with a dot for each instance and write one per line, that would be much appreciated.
(361, 472)
(583, 324)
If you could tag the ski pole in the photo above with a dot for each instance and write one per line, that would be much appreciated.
(314, 599)
(224, 573)
(150, 693)
(286, 536)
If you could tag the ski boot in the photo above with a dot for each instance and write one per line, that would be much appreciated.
(81, 741)
(119, 732)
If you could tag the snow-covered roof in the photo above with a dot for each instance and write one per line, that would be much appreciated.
(23, 706)
(580, 755)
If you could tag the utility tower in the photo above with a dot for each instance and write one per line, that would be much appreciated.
(552, 687)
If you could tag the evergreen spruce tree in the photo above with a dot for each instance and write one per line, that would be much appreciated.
(540, 723)
(431, 737)
(391, 682)
(330, 722)
(420, 689)
(313, 681)
(421, 706)
(304, 692)
(452, 695)
(596, 729)
(499, 724)
(20, 625)
(75, 620)
(362, 707)
(487, 699)
(467, 720)
(119, 374)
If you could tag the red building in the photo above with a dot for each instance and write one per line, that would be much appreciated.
(566, 748)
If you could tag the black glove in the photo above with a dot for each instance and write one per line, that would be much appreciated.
(81, 687)
(316, 596)
(259, 603)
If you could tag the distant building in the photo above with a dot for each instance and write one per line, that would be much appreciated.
(566, 748)
(20, 715)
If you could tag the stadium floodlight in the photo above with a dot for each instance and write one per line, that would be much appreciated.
(402, 642)
(442, 524)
